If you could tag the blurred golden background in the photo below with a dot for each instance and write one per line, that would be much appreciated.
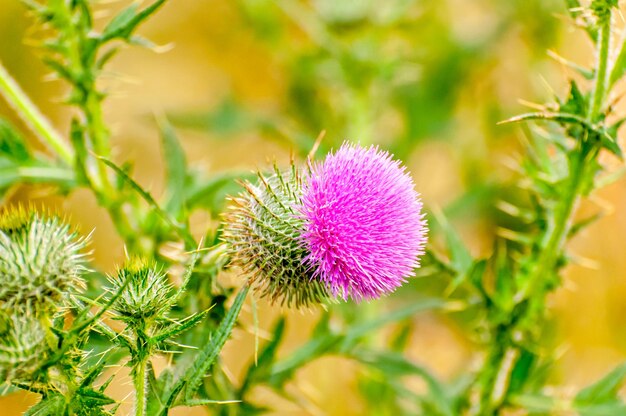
(248, 81)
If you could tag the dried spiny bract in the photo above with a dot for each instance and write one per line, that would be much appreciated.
(22, 347)
(41, 261)
(263, 229)
(146, 292)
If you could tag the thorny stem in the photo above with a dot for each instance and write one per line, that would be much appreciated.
(63, 379)
(494, 378)
(505, 349)
(604, 43)
(140, 380)
(31, 115)
(89, 101)
(141, 357)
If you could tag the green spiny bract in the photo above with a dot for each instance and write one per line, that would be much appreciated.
(22, 346)
(146, 296)
(263, 229)
(40, 261)
(602, 8)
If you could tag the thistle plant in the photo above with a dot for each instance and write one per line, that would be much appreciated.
(342, 235)
(350, 226)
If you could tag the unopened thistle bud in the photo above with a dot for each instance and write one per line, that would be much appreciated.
(351, 226)
(22, 346)
(145, 291)
(41, 261)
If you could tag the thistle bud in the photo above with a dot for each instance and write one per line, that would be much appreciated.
(22, 346)
(350, 226)
(41, 262)
(145, 291)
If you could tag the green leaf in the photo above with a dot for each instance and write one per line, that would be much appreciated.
(126, 22)
(210, 193)
(576, 102)
(416, 306)
(476, 276)
(568, 119)
(177, 328)
(85, 318)
(604, 390)
(93, 374)
(52, 405)
(535, 402)
(122, 20)
(564, 118)
(181, 229)
(37, 172)
(106, 57)
(186, 276)
(394, 365)
(205, 358)
(314, 348)
(18, 165)
(90, 397)
(539, 403)
(176, 169)
(12, 145)
(62, 71)
(610, 144)
(460, 258)
(323, 341)
(619, 67)
(204, 402)
(261, 368)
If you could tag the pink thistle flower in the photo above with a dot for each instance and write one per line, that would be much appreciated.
(363, 226)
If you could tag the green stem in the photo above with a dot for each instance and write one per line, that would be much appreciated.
(31, 115)
(140, 380)
(599, 91)
(83, 63)
(619, 66)
(508, 339)
(557, 233)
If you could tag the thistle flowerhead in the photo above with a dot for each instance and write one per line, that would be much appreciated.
(41, 261)
(145, 291)
(363, 226)
(351, 226)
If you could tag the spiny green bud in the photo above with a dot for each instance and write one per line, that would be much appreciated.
(263, 229)
(146, 294)
(40, 261)
(22, 346)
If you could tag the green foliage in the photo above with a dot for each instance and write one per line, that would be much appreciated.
(18, 164)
